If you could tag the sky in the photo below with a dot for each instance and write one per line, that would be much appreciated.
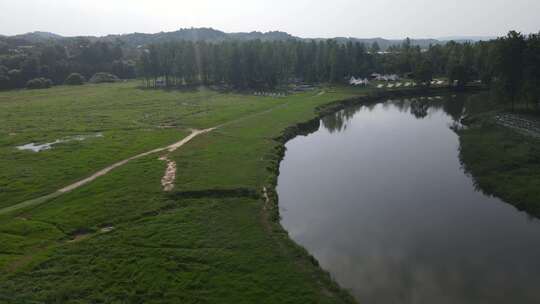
(309, 19)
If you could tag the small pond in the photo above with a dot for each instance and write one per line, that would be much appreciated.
(35, 147)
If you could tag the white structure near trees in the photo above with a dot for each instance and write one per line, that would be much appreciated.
(389, 77)
(358, 82)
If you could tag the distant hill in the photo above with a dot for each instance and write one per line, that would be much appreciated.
(197, 34)
(467, 38)
(212, 35)
(37, 37)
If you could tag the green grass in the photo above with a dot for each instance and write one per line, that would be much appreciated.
(202, 251)
(130, 120)
(164, 247)
(503, 163)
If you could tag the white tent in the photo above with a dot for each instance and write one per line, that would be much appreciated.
(355, 82)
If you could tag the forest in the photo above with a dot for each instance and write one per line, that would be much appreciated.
(510, 64)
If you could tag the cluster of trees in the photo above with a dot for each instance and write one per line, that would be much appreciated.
(256, 64)
(253, 64)
(56, 60)
(516, 68)
(509, 64)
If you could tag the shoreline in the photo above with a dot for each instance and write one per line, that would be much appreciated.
(502, 162)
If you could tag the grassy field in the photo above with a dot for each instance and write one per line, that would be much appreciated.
(121, 239)
(503, 162)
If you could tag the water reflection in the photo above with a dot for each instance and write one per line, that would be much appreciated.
(378, 196)
(420, 107)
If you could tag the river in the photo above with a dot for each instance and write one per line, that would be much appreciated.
(379, 197)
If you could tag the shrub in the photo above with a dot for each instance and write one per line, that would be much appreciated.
(39, 83)
(15, 79)
(103, 77)
(4, 82)
(75, 79)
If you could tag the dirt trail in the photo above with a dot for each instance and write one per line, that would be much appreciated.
(106, 170)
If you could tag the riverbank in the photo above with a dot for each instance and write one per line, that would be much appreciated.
(503, 162)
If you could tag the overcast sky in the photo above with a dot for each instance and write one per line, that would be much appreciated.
(316, 18)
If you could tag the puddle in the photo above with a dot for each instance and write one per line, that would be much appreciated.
(34, 147)
(107, 229)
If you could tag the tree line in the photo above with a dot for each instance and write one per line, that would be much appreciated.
(251, 64)
(510, 64)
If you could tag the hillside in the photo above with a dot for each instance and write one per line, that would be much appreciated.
(212, 35)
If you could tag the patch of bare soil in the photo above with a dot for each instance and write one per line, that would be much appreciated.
(106, 170)
(167, 181)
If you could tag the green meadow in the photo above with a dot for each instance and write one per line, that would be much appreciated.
(214, 239)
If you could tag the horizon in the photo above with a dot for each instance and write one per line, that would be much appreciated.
(443, 38)
(418, 19)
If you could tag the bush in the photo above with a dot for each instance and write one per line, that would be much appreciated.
(4, 82)
(103, 77)
(39, 83)
(15, 79)
(75, 79)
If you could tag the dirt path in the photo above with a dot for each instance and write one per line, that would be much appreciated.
(104, 171)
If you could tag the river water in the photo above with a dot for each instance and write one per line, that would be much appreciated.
(378, 195)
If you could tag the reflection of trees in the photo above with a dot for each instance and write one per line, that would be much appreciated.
(334, 122)
(337, 122)
(419, 108)
(403, 105)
